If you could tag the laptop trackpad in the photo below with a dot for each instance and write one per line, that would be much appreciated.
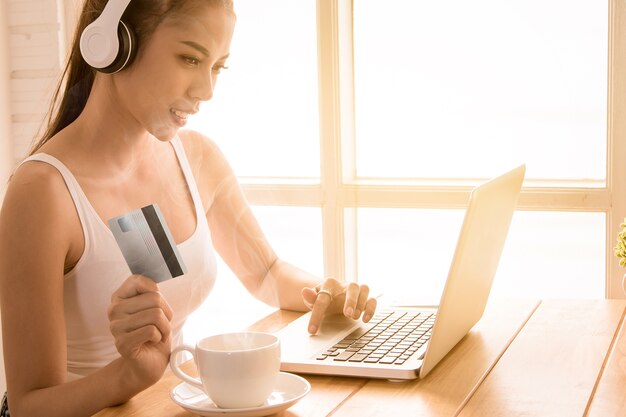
(333, 324)
(296, 340)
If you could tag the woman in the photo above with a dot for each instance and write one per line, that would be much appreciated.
(80, 334)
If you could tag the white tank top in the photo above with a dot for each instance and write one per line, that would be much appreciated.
(102, 269)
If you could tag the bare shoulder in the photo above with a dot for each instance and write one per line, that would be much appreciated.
(207, 160)
(210, 168)
(37, 205)
(201, 150)
(36, 182)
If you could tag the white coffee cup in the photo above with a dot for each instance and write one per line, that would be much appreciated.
(237, 370)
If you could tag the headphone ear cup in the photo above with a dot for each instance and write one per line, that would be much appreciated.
(127, 50)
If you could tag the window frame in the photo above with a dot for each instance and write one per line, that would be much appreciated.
(340, 193)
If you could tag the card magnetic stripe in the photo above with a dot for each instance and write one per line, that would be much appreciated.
(162, 241)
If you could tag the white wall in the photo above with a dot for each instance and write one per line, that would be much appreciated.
(6, 145)
(6, 142)
(36, 28)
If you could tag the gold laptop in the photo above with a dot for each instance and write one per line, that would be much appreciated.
(407, 343)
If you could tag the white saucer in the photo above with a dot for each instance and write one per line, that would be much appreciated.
(289, 390)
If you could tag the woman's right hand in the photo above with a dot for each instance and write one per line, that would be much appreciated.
(140, 319)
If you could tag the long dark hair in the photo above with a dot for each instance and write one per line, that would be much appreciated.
(74, 86)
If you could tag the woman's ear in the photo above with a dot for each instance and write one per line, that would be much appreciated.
(108, 44)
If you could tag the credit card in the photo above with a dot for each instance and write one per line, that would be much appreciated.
(147, 244)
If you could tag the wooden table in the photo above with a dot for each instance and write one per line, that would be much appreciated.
(524, 358)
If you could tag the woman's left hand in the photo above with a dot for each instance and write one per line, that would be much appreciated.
(333, 296)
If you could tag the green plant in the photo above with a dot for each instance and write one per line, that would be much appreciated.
(620, 248)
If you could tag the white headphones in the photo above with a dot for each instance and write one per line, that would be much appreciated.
(108, 44)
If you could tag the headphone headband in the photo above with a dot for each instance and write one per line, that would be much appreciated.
(100, 43)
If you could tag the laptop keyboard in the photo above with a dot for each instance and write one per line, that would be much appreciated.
(394, 338)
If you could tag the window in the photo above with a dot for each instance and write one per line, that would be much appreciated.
(411, 250)
(411, 104)
(265, 105)
(462, 89)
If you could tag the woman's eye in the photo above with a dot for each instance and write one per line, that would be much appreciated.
(218, 68)
(191, 60)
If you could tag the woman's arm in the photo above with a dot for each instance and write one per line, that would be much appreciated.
(240, 241)
(38, 232)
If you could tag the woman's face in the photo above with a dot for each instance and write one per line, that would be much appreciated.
(176, 69)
